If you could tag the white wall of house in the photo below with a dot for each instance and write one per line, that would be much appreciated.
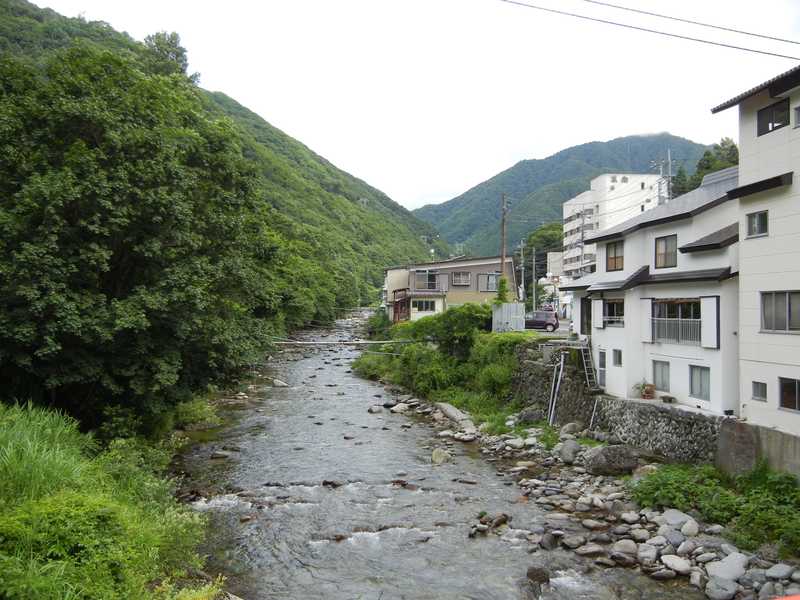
(768, 263)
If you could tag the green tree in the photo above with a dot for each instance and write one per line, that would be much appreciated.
(502, 291)
(165, 55)
(680, 183)
(134, 252)
(721, 156)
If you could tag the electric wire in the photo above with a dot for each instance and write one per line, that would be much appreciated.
(691, 22)
(648, 30)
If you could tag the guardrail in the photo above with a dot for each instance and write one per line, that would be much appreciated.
(676, 331)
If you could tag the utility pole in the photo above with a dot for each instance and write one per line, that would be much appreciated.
(533, 278)
(522, 266)
(503, 211)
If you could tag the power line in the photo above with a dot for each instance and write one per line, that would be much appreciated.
(647, 30)
(691, 22)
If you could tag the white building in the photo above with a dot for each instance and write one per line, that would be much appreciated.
(611, 199)
(662, 306)
(769, 252)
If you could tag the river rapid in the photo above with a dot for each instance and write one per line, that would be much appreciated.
(311, 496)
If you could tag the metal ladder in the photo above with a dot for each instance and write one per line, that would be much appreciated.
(588, 367)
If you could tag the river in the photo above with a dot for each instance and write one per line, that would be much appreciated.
(320, 499)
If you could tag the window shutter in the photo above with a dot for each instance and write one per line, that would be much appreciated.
(597, 314)
(709, 324)
(483, 282)
(646, 313)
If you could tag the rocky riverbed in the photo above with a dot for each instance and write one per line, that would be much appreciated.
(335, 487)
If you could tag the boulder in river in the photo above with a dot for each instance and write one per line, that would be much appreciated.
(279, 383)
(399, 408)
(719, 588)
(610, 460)
(569, 451)
(440, 456)
(375, 409)
(731, 567)
(538, 575)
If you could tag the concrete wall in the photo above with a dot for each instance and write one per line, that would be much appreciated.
(769, 263)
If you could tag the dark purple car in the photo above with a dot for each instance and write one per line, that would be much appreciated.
(542, 319)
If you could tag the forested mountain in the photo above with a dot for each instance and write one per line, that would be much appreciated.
(154, 236)
(537, 188)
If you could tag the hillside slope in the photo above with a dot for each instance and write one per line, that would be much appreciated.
(367, 229)
(537, 188)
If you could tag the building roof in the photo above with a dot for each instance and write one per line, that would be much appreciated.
(761, 186)
(449, 262)
(643, 276)
(712, 192)
(714, 241)
(777, 85)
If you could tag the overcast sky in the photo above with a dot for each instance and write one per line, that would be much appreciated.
(427, 98)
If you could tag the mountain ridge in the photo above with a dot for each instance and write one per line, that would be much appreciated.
(536, 188)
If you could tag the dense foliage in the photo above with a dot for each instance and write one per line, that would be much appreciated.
(154, 236)
(537, 188)
(721, 156)
(454, 360)
(761, 507)
(77, 524)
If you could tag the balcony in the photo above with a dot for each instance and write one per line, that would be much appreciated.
(677, 331)
(612, 321)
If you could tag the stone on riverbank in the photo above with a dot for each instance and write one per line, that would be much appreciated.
(569, 451)
(678, 564)
(375, 409)
(279, 383)
(719, 588)
(399, 408)
(610, 460)
(779, 571)
(731, 567)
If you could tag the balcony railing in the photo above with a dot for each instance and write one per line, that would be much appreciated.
(677, 331)
(614, 321)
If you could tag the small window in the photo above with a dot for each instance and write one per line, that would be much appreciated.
(617, 358)
(666, 251)
(797, 117)
(613, 179)
(614, 256)
(757, 224)
(642, 208)
(611, 188)
(780, 311)
(789, 393)
(601, 368)
(424, 305)
(624, 179)
(487, 282)
(773, 117)
(614, 313)
(700, 382)
(642, 184)
(425, 280)
(760, 391)
(661, 375)
(461, 277)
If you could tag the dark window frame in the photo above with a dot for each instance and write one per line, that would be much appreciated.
(765, 118)
(766, 223)
(616, 357)
(668, 371)
(701, 369)
(788, 381)
(469, 278)
(789, 308)
(618, 258)
(416, 302)
(755, 396)
(666, 254)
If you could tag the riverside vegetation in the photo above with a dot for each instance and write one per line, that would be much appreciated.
(154, 238)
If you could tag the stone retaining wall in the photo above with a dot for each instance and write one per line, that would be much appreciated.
(660, 428)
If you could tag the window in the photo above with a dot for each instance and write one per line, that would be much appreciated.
(461, 277)
(614, 313)
(780, 311)
(700, 382)
(789, 393)
(601, 368)
(616, 356)
(424, 305)
(642, 208)
(425, 280)
(613, 179)
(757, 224)
(642, 184)
(760, 391)
(661, 375)
(624, 179)
(666, 251)
(614, 256)
(797, 117)
(487, 282)
(773, 117)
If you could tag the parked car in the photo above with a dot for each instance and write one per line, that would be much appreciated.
(542, 319)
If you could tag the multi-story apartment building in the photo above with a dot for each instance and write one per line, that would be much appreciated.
(420, 290)
(611, 199)
(769, 251)
(662, 306)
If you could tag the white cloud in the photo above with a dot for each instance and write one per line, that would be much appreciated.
(426, 98)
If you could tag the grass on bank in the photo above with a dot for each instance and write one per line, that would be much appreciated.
(761, 507)
(78, 522)
(456, 360)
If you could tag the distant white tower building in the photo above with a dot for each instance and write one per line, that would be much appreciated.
(611, 199)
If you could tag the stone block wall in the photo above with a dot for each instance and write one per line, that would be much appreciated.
(660, 428)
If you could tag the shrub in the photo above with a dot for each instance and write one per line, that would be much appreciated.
(78, 524)
(198, 410)
(455, 330)
(371, 365)
(379, 326)
(423, 369)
